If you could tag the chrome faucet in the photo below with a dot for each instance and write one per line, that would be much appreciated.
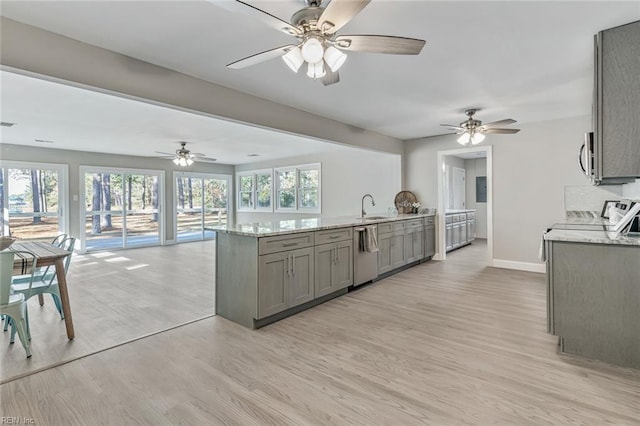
(373, 203)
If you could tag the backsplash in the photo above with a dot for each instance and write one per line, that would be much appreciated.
(590, 198)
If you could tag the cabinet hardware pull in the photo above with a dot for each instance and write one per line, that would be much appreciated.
(288, 265)
(289, 244)
(293, 265)
(333, 237)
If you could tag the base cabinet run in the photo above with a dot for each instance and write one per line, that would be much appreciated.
(593, 294)
(460, 229)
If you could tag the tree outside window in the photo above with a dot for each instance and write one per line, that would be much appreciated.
(287, 189)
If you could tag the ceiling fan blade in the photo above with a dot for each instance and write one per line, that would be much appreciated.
(452, 126)
(500, 122)
(267, 18)
(503, 131)
(338, 13)
(165, 153)
(261, 57)
(330, 77)
(380, 44)
(206, 159)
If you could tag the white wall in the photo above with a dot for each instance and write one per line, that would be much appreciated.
(631, 190)
(346, 176)
(530, 171)
(476, 167)
(75, 159)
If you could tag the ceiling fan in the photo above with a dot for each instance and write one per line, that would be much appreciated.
(318, 45)
(184, 157)
(472, 131)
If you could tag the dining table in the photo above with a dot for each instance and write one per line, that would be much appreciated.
(49, 255)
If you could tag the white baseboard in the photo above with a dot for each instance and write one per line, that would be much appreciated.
(169, 242)
(520, 266)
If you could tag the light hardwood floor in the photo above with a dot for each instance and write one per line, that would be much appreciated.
(442, 343)
(117, 296)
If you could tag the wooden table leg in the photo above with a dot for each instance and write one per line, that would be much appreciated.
(64, 297)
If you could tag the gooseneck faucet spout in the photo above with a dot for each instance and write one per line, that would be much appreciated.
(373, 203)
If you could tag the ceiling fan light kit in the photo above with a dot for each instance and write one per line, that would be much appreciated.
(472, 131)
(184, 157)
(318, 45)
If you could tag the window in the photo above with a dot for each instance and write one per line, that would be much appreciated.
(245, 191)
(264, 190)
(201, 204)
(255, 190)
(289, 189)
(121, 207)
(286, 189)
(309, 188)
(299, 188)
(33, 200)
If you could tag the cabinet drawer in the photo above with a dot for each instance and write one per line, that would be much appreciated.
(471, 215)
(279, 243)
(333, 235)
(449, 218)
(385, 228)
(413, 223)
(460, 217)
(430, 220)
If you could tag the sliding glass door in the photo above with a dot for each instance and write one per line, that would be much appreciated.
(33, 200)
(202, 202)
(122, 208)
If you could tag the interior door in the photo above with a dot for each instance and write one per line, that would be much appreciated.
(459, 188)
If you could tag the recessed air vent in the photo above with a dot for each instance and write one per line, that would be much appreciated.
(6, 124)
(253, 155)
(42, 141)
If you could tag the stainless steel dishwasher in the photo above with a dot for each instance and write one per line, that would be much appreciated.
(365, 264)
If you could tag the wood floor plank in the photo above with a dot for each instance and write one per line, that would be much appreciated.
(443, 343)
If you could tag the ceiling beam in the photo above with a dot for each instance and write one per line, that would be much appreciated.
(32, 50)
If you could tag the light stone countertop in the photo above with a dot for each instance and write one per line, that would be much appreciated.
(592, 237)
(292, 226)
(459, 211)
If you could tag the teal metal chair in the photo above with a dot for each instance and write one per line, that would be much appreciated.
(14, 306)
(46, 281)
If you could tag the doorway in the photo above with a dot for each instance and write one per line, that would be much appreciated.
(465, 182)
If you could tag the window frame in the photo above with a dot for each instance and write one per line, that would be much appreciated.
(262, 172)
(297, 207)
(239, 192)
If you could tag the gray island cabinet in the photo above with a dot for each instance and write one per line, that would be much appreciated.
(593, 295)
(268, 271)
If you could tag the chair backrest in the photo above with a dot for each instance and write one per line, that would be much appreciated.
(27, 265)
(68, 244)
(57, 240)
(6, 271)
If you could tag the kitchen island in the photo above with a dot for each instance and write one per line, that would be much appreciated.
(269, 270)
(593, 293)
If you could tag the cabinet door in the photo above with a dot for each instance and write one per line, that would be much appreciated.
(301, 285)
(449, 231)
(274, 271)
(618, 106)
(384, 253)
(413, 243)
(429, 240)
(471, 230)
(325, 259)
(398, 253)
(457, 235)
(343, 270)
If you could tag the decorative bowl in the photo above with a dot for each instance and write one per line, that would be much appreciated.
(5, 242)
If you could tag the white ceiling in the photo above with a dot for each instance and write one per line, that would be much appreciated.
(80, 119)
(530, 61)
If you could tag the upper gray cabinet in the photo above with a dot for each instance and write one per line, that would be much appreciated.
(617, 104)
